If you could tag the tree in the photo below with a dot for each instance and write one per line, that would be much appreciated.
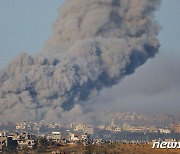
(89, 149)
(42, 144)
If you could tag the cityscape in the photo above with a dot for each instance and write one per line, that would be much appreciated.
(67, 137)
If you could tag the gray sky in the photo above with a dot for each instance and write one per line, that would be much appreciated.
(153, 88)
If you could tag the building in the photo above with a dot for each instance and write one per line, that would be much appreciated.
(21, 126)
(8, 143)
(112, 123)
(101, 127)
(74, 137)
(85, 137)
(152, 129)
(36, 126)
(88, 130)
(3, 143)
(129, 128)
(24, 139)
(175, 127)
(27, 143)
(117, 129)
(79, 127)
(109, 128)
(2, 134)
(164, 131)
(126, 127)
(56, 136)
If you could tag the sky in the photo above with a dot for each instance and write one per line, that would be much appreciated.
(25, 26)
(153, 88)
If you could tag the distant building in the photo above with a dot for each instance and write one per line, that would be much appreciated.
(170, 140)
(36, 126)
(27, 143)
(53, 125)
(56, 136)
(21, 126)
(79, 137)
(79, 127)
(112, 123)
(2, 134)
(7, 142)
(85, 137)
(88, 130)
(152, 129)
(164, 131)
(3, 143)
(175, 127)
(109, 128)
(101, 127)
(71, 125)
(74, 137)
(24, 139)
(117, 129)
(85, 129)
(127, 127)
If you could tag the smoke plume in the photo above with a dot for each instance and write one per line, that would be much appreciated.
(95, 43)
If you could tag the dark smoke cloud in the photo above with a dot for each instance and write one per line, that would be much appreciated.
(153, 89)
(95, 43)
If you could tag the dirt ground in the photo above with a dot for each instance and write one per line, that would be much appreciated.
(112, 149)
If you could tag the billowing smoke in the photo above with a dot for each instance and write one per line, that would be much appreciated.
(95, 43)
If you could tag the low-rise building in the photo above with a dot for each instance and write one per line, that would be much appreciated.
(79, 127)
(7, 142)
(164, 131)
(175, 128)
(74, 137)
(88, 130)
(117, 129)
(21, 126)
(3, 143)
(101, 127)
(56, 136)
(24, 139)
(28, 143)
(152, 129)
(2, 134)
(127, 127)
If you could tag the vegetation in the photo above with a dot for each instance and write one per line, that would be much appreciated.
(116, 148)
(42, 145)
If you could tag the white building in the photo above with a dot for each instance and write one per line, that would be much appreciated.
(56, 136)
(29, 143)
(74, 138)
(2, 134)
(22, 125)
(117, 129)
(165, 131)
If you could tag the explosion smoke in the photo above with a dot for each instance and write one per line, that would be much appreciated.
(95, 43)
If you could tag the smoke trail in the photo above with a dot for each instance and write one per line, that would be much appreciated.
(94, 44)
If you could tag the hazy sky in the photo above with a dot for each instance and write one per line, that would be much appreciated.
(154, 88)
